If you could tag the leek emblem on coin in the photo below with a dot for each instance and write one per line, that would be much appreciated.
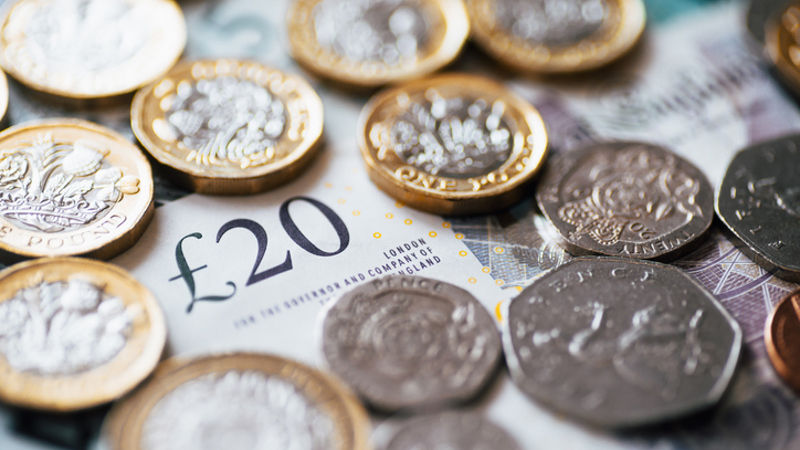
(373, 42)
(619, 343)
(243, 401)
(87, 49)
(74, 333)
(626, 199)
(452, 144)
(557, 35)
(229, 127)
(70, 187)
(405, 342)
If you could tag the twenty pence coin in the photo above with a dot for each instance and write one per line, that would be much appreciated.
(374, 42)
(75, 333)
(626, 199)
(782, 338)
(620, 343)
(451, 430)
(405, 342)
(71, 187)
(91, 49)
(553, 36)
(759, 201)
(243, 400)
(229, 127)
(452, 144)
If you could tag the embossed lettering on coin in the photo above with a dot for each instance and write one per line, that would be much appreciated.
(759, 200)
(557, 35)
(620, 343)
(404, 342)
(229, 126)
(453, 144)
(372, 42)
(626, 199)
(451, 430)
(74, 333)
(91, 48)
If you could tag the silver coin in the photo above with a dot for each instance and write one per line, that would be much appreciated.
(626, 199)
(405, 342)
(451, 430)
(620, 343)
(759, 200)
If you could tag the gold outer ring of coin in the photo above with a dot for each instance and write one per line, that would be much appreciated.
(112, 230)
(782, 339)
(162, 52)
(446, 41)
(442, 195)
(103, 384)
(299, 142)
(783, 49)
(614, 39)
(123, 426)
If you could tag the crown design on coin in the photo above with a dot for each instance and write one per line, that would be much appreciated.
(52, 186)
(634, 186)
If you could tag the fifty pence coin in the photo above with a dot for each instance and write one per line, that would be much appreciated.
(782, 42)
(71, 187)
(620, 343)
(75, 333)
(759, 200)
(452, 144)
(242, 401)
(626, 199)
(408, 342)
(374, 42)
(91, 49)
(782, 339)
(229, 127)
(451, 430)
(552, 36)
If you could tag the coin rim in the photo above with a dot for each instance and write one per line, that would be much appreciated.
(778, 363)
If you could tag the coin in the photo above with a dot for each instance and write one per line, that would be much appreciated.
(373, 42)
(229, 127)
(759, 14)
(552, 36)
(239, 400)
(619, 343)
(71, 187)
(3, 98)
(451, 430)
(759, 201)
(783, 43)
(626, 199)
(75, 333)
(782, 338)
(452, 144)
(409, 342)
(90, 49)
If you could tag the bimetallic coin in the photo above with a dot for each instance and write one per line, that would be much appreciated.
(759, 200)
(782, 338)
(451, 430)
(75, 333)
(552, 36)
(620, 343)
(368, 43)
(229, 127)
(90, 49)
(626, 199)
(783, 43)
(3, 98)
(408, 342)
(452, 144)
(71, 187)
(238, 401)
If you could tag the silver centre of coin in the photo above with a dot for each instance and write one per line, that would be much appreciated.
(551, 22)
(452, 136)
(451, 430)
(388, 31)
(404, 342)
(620, 343)
(243, 410)
(62, 328)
